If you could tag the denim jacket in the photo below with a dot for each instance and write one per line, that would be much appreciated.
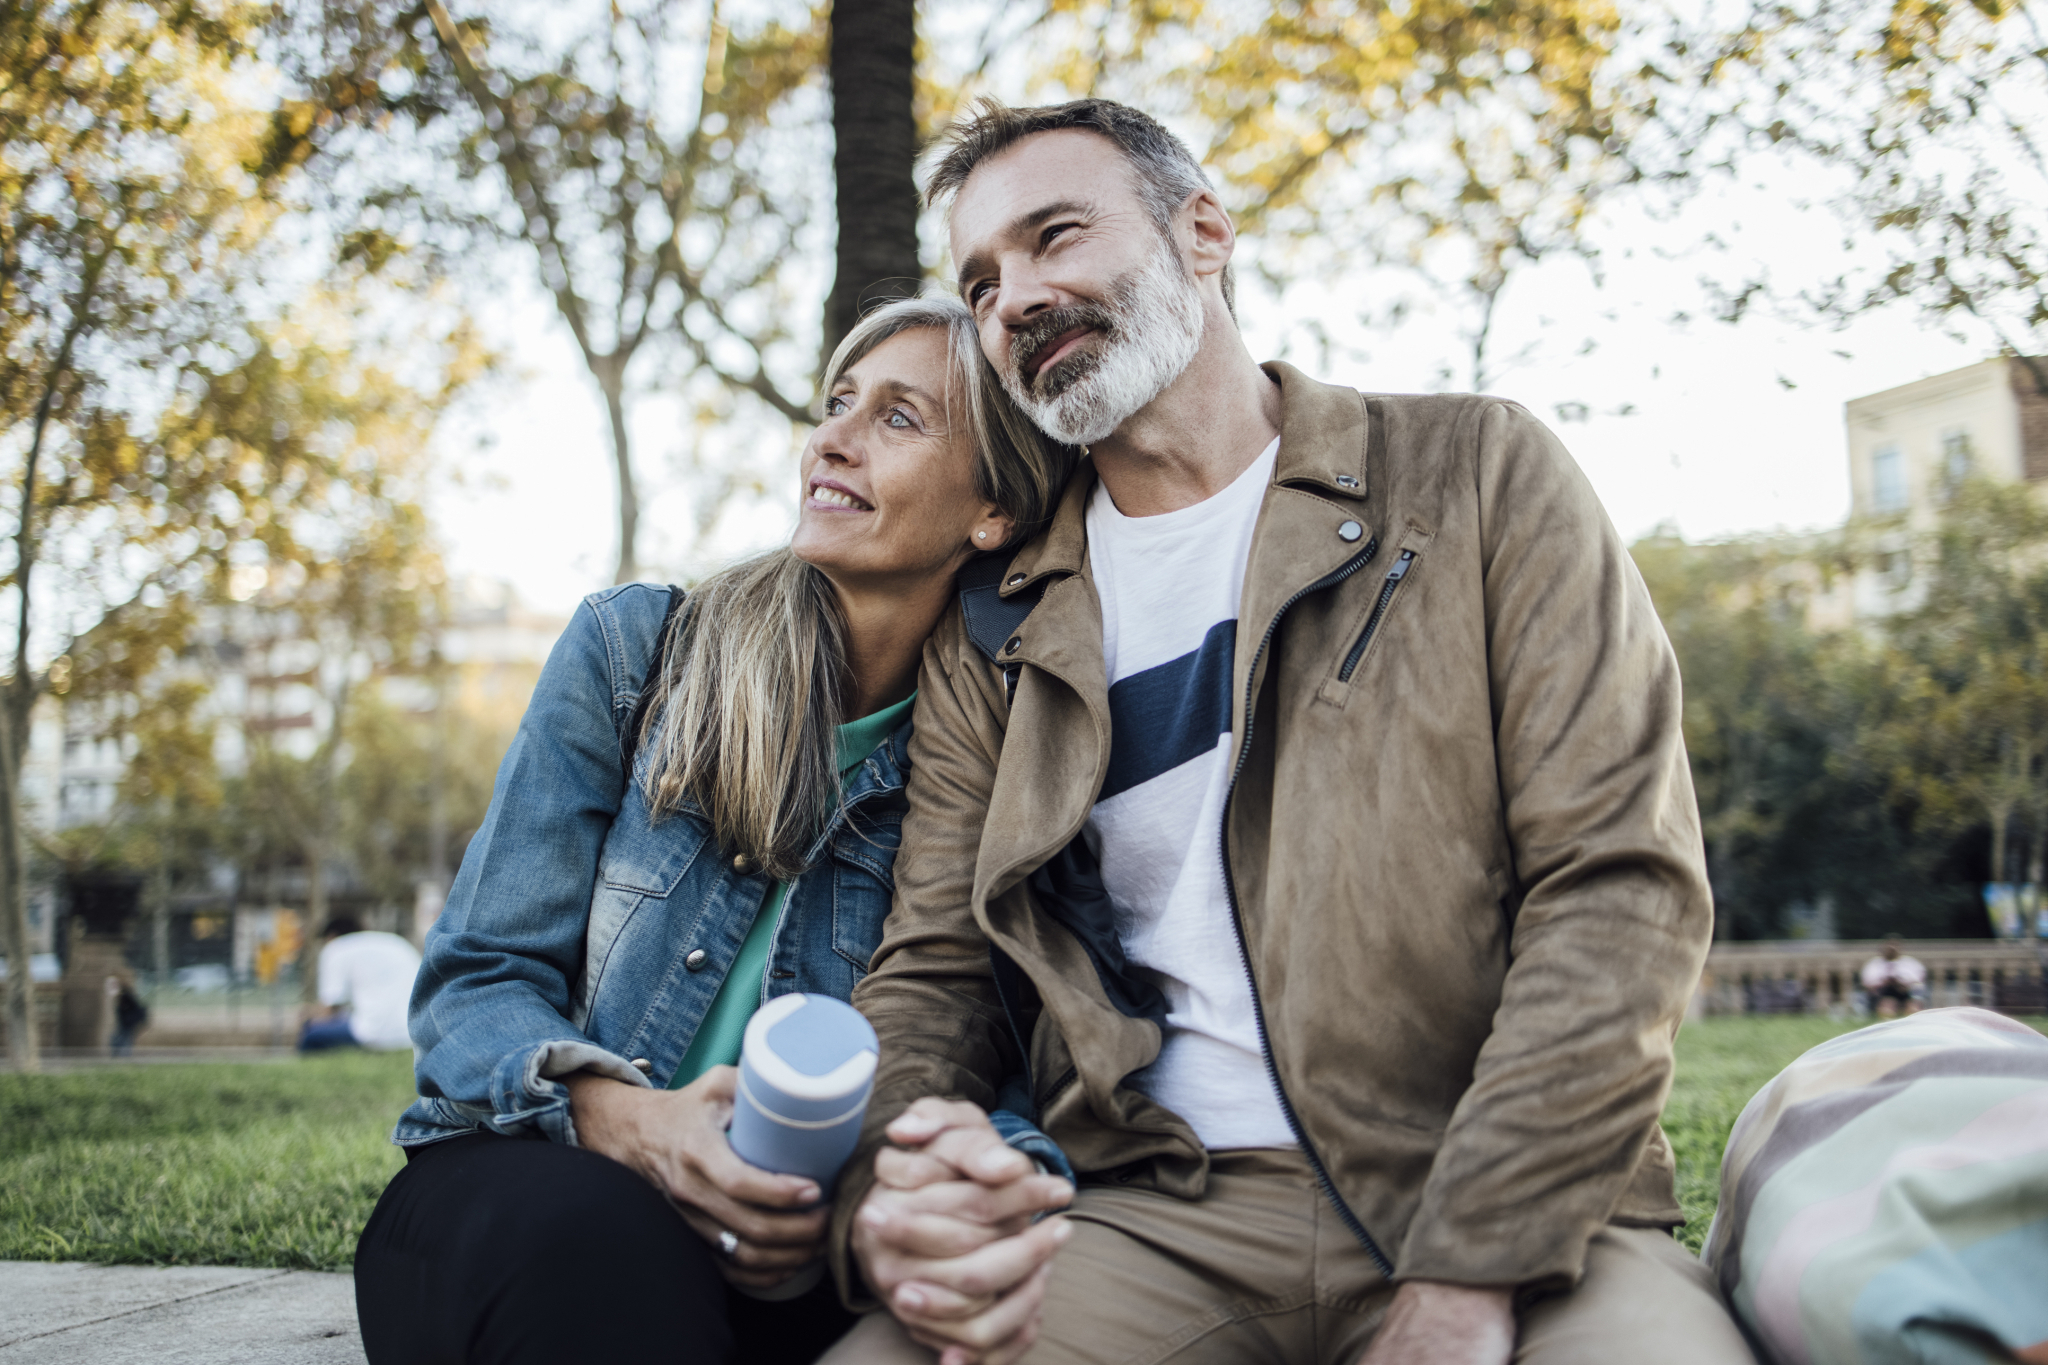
(583, 934)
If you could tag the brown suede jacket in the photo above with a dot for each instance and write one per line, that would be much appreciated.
(1461, 839)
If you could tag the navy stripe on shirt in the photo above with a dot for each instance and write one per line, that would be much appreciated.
(1165, 716)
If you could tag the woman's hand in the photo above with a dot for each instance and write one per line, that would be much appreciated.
(676, 1140)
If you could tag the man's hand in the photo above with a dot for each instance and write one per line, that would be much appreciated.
(676, 1140)
(946, 1239)
(1445, 1324)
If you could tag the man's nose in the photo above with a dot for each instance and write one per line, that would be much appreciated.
(1021, 295)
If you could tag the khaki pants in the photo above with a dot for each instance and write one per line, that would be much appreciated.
(1262, 1270)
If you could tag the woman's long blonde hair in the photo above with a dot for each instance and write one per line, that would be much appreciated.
(744, 720)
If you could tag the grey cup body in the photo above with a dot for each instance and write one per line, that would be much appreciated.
(807, 1068)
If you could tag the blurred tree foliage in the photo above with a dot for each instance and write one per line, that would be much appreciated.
(1887, 769)
(1929, 117)
(121, 195)
(1457, 139)
(156, 436)
(663, 173)
(1967, 739)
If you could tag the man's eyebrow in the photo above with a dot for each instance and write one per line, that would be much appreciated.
(978, 263)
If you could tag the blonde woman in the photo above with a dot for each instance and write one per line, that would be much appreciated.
(700, 811)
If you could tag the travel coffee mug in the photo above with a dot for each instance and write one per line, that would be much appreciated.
(807, 1067)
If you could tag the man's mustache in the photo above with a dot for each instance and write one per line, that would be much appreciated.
(1028, 344)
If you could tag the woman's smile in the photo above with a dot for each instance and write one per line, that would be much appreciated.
(837, 497)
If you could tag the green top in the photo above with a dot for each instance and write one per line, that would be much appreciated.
(725, 1024)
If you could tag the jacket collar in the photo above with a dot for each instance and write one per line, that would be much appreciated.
(1325, 443)
(883, 769)
(1325, 435)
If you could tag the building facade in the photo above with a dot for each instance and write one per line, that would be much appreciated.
(1909, 444)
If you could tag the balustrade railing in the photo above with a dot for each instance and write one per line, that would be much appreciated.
(1790, 975)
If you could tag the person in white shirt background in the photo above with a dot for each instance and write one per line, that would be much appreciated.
(1892, 979)
(368, 975)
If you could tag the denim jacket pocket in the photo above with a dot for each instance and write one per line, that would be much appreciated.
(653, 857)
(863, 884)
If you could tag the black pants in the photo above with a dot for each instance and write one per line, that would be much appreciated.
(490, 1249)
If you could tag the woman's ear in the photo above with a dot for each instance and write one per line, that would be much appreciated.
(992, 531)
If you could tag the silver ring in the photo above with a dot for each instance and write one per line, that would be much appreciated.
(728, 1244)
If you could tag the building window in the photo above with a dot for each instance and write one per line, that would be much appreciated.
(1887, 479)
(1956, 459)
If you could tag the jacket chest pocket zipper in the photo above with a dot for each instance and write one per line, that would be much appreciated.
(1388, 587)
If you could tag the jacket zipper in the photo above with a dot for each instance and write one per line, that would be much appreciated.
(1329, 1187)
(1379, 609)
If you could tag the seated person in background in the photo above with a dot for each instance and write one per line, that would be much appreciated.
(370, 975)
(1885, 1198)
(130, 1014)
(1892, 979)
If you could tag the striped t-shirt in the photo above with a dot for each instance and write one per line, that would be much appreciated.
(1170, 586)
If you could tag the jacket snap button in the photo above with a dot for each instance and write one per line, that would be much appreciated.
(642, 1064)
(1350, 530)
(695, 961)
(742, 864)
(1346, 481)
(1016, 641)
(1015, 579)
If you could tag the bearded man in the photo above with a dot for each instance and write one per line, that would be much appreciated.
(1319, 844)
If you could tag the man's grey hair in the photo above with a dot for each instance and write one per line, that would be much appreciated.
(1164, 170)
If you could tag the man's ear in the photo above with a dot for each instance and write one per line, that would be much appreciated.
(1208, 235)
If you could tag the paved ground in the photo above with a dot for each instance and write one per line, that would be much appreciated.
(71, 1314)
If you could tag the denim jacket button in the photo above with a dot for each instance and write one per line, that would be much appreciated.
(696, 960)
(641, 1064)
(742, 864)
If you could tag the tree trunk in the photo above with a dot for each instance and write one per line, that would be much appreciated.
(16, 702)
(2001, 820)
(318, 842)
(316, 891)
(874, 127)
(437, 785)
(611, 378)
(160, 922)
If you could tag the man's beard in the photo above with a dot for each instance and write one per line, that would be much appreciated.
(1150, 331)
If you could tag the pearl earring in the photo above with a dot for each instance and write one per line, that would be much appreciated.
(981, 535)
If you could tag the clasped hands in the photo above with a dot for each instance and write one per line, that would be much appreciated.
(946, 1236)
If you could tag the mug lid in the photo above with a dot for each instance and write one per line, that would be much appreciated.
(811, 1047)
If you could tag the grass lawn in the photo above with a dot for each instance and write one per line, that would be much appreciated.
(229, 1163)
(278, 1164)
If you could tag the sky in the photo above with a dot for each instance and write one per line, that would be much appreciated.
(1714, 429)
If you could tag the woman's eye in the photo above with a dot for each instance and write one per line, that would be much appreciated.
(900, 419)
(834, 405)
